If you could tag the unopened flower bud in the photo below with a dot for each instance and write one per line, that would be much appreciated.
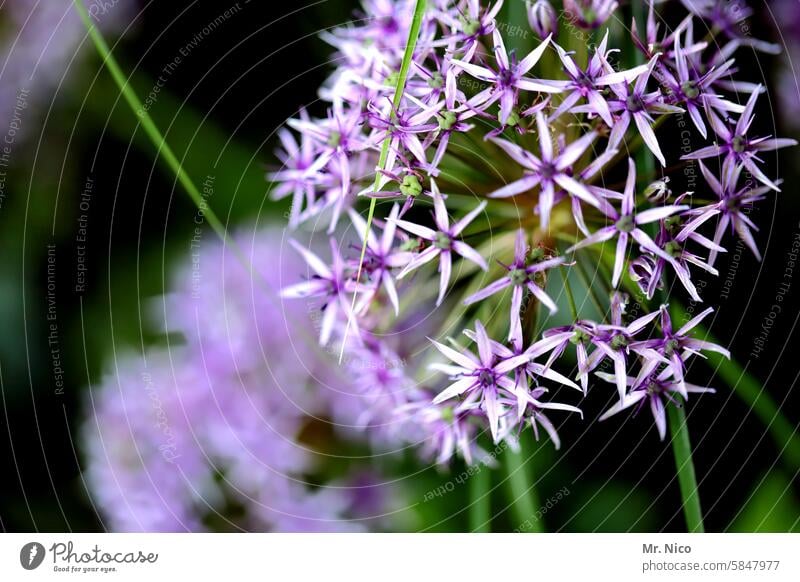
(543, 18)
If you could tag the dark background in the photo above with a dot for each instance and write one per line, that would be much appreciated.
(242, 82)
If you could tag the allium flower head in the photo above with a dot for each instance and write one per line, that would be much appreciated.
(535, 144)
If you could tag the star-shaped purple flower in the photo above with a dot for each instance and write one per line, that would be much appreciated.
(443, 241)
(737, 147)
(481, 379)
(550, 171)
(523, 273)
(653, 388)
(677, 346)
(626, 225)
(509, 78)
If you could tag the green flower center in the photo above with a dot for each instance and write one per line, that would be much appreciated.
(690, 89)
(335, 139)
(470, 26)
(436, 81)
(739, 144)
(673, 248)
(619, 341)
(447, 414)
(411, 245)
(625, 224)
(513, 118)
(443, 241)
(391, 80)
(518, 276)
(447, 120)
(579, 337)
(672, 223)
(410, 186)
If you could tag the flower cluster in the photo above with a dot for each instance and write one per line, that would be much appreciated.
(532, 159)
(208, 433)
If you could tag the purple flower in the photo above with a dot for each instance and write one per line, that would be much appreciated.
(653, 44)
(329, 283)
(653, 388)
(543, 18)
(733, 206)
(403, 128)
(466, 29)
(381, 257)
(635, 103)
(442, 241)
(673, 237)
(297, 177)
(626, 225)
(534, 414)
(589, 13)
(441, 431)
(556, 340)
(522, 274)
(589, 84)
(480, 379)
(550, 171)
(338, 137)
(677, 346)
(451, 118)
(509, 78)
(737, 147)
(726, 16)
(693, 87)
(614, 341)
(530, 372)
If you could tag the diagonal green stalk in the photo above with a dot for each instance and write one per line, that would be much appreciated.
(687, 480)
(525, 499)
(164, 151)
(413, 35)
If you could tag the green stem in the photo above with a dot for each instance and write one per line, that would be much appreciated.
(413, 35)
(568, 289)
(525, 499)
(784, 434)
(165, 153)
(479, 507)
(163, 150)
(687, 480)
(749, 389)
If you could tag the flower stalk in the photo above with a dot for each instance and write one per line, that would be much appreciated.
(687, 480)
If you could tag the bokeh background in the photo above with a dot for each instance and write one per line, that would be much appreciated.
(92, 227)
